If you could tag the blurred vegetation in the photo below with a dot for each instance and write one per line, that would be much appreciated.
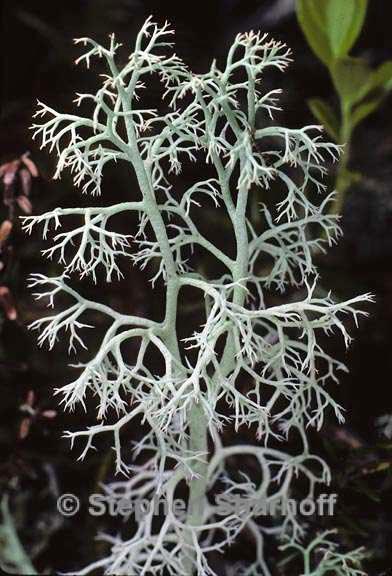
(331, 28)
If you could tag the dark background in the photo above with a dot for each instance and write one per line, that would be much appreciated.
(37, 55)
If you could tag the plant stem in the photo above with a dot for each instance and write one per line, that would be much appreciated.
(198, 424)
(198, 431)
(342, 177)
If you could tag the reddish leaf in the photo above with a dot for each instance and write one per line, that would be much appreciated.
(4, 168)
(30, 398)
(7, 302)
(25, 179)
(24, 204)
(24, 428)
(5, 231)
(32, 168)
(8, 172)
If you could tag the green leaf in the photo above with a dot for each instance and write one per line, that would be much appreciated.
(331, 27)
(326, 116)
(363, 110)
(361, 89)
(372, 92)
(308, 14)
(382, 76)
(379, 82)
(344, 22)
(351, 77)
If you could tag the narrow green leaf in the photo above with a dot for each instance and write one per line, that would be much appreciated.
(326, 116)
(378, 83)
(344, 22)
(313, 26)
(372, 92)
(363, 110)
(382, 76)
(331, 27)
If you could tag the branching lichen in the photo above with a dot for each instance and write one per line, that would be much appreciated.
(213, 118)
(322, 557)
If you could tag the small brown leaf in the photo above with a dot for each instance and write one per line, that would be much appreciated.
(24, 204)
(4, 168)
(5, 231)
(7, 302)
(30, 165)
(30, 398)
(8, 172)
(24, 428)
(25, 179)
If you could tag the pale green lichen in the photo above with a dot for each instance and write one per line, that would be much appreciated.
(213, 118)
(322, 557)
